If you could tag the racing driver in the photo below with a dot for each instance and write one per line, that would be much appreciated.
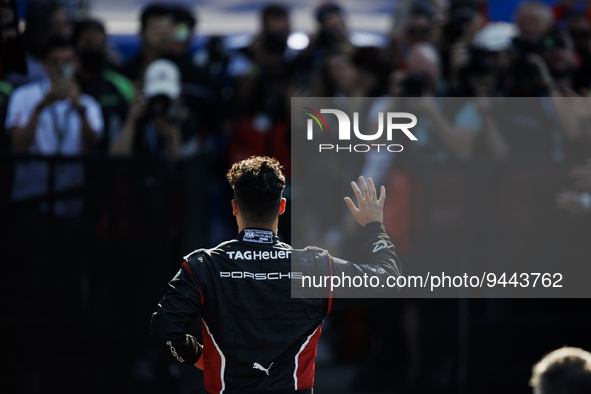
(257, 336)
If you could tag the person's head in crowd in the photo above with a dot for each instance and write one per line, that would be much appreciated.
(490, 58)
(579, 29)
(418, 27)
(558, 52)
(534, 19)
(340, 74)
(161, 88)
(44, 20)
(361, 73)
(58, 58)
(371, 71)
(562, 371)
(333, 29)
(157, 30)
(464, 19)
(275, 28)
(421, 75)
(89, 38)
(184, 28)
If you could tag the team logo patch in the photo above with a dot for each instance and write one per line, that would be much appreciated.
(258, 236)
(381, 244)
(261, 368)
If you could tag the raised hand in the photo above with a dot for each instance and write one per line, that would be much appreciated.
(371, 209)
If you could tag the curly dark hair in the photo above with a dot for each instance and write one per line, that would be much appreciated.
(258, 183)
(565, 370)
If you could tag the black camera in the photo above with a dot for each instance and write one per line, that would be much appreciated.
(274, 43)
(461, 15)
(526, 46)
(158, 106)
(480, 62)
(414, 84)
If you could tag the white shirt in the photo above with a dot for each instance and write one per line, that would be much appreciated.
(59, 131)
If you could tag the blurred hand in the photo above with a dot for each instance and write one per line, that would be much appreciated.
(138, 106)
(57, 91)
(571, 201)
(395, 83)
(484, 104)
(460, 56)
(542, 66)
(166, 128)
(73, 93)
(425, 104)
(371, 209)
(577, 105)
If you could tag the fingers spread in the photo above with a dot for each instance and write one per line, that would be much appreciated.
(372, 189)
(351, 205)
(364, 187)
(357, 192)
(382, 195)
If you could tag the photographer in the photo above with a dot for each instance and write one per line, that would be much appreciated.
(262, 71)
(157, 27)
(438, 135)
(465, 18)
(112, 90)
(534, 19)
(158, 123)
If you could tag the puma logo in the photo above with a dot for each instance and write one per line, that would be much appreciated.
(260, 367)
(381, 244)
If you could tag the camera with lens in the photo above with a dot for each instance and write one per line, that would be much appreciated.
(526, 46)
(274, 43)
(461, 15)
(158, 106)
(414, 84)
(479, 63)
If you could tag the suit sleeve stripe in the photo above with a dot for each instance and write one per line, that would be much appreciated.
(303, 374)
(192, 276)
(330, 291)
(214, 362)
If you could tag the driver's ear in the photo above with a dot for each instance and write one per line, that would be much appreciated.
(235, 208)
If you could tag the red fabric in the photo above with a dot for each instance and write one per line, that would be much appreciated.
(306, 362)
(192, 276)
(212, 362)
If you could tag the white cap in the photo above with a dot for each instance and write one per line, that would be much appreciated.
(495, 36)
(162, 77)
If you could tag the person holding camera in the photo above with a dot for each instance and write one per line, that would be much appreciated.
(158, 123)
(96, 77)
(262, 71)
(52, 117)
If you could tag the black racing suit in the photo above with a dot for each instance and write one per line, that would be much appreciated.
(257, 338)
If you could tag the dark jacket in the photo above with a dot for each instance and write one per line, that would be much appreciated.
(258, 335)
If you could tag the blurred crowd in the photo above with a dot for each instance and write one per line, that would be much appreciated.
(464, 73)
(78, 95)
